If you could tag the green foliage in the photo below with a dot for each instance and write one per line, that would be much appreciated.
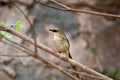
(92, 50)
(104, 71)
(2, 23)
(115, 73)
(3, 32)
(6, 34)
(18, 25)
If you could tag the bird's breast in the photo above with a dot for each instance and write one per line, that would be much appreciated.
(61, 43)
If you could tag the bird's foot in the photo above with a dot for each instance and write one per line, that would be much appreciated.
(56, 51)
(63, 56)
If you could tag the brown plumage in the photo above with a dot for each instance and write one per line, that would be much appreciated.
(62, 43)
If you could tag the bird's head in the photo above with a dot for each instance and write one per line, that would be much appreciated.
(54, 30)
(57, 31)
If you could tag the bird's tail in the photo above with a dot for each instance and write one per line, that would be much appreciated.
(74, 67)
(70, 56)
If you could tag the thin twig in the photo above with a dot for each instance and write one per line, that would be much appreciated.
(64, 6)
(8, 74)
(30, 53)
(49, 50)
(6, 55)
(31, 26)
(81, 73)
(81, 11)
(9, 55)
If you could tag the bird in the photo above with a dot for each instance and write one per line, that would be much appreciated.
(62, 43)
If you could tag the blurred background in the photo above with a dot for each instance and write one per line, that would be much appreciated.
(94, 39)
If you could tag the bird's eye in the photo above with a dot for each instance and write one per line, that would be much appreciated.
(53, 30)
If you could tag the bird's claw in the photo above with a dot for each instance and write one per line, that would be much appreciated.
(63, 56)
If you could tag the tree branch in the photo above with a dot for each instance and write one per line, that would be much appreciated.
(71, 61)
(66, 8)
(30, 53)
(31, 26)
(6, 55)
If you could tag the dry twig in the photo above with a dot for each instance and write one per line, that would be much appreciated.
(66, 8)
(30, 53)
(71, 61)
(31, 26)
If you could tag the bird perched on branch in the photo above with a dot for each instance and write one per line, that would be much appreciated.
(62, 43)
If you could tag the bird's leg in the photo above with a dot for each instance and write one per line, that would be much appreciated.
(63, 56)
(56, 51)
